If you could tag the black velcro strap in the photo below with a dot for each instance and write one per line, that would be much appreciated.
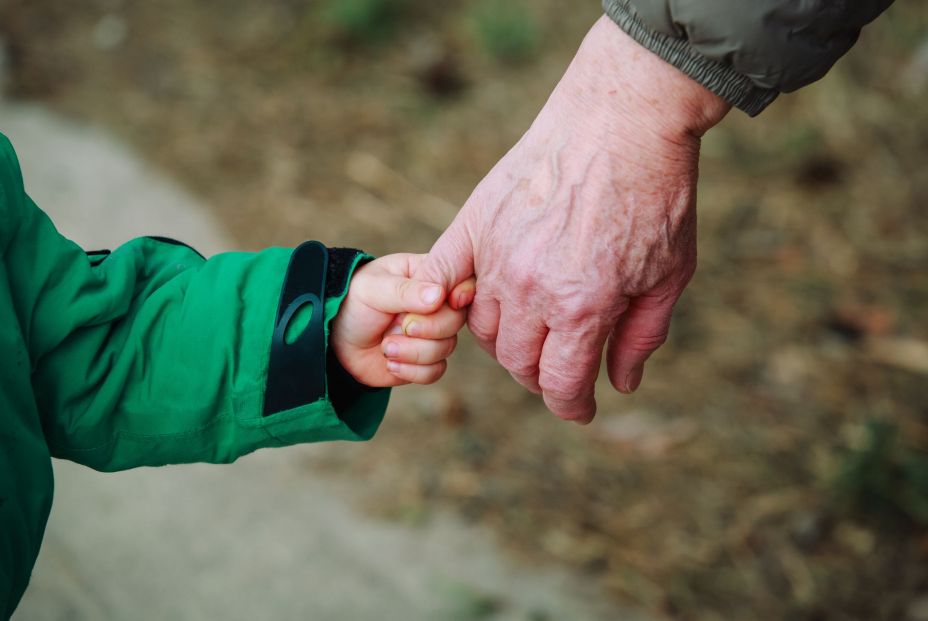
(296, 372)
(341, 260)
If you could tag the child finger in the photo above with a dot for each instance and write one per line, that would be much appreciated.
(443, 323)
(390, 293)
(418, 351)
(417, 373)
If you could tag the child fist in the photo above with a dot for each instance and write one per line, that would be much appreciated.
(392, 330)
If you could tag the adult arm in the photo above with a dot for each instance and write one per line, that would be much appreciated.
(586, 230)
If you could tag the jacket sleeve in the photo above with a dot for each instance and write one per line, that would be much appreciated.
(747, 52)
(153, 355)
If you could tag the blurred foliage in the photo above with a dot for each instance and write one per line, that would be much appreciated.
(508, 31)
(364, 21)
(885, 479)
(464, 603)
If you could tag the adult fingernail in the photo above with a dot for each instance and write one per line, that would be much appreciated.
(412, 328)
(633, 380)
(430, 294)
(464, 298)
(391, 350)
(393, 367)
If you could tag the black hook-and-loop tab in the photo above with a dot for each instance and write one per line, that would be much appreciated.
(296, 371)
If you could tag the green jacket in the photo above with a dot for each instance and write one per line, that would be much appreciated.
(747, 51)
(152, 355)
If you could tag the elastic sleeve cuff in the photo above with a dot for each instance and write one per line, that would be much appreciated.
(724, 81)
(334, 406)
(352, 400)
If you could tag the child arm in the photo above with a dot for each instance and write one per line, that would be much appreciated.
(153, 355)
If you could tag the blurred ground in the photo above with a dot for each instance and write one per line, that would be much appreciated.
(773, 466)
(261, 538)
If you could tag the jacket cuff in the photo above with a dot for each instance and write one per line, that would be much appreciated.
(309, 396)
(721, 79)
(350, 398)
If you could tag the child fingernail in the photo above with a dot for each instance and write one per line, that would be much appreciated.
(391, 350)
(412, 328)
(395, 330)
(430, 294)
(393, 367)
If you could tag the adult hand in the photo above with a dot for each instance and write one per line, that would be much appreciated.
(586, 230)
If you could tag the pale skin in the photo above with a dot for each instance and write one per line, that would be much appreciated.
(392, 330)
(602, 192)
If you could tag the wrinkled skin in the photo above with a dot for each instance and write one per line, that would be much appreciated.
(586, 230)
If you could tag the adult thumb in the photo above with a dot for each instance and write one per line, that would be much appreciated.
(451, 259)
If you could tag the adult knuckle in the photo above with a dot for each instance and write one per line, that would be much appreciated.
(522, 277)
(517, 363)
(560, 388)
(576, 310)
(481, 329)
(557, 396)
(648, 342)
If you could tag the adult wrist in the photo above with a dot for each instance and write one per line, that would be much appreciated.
(638, 88)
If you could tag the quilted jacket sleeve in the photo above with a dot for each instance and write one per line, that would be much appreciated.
(747, 52)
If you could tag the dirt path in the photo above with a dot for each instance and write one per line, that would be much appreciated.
(262, 538)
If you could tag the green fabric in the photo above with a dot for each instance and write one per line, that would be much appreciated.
(747, 52)
(152, 356)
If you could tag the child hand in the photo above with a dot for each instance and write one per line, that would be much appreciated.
(381, 345)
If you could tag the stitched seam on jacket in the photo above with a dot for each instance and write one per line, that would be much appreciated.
(131, 435)
(721, 79)
(195, 431)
